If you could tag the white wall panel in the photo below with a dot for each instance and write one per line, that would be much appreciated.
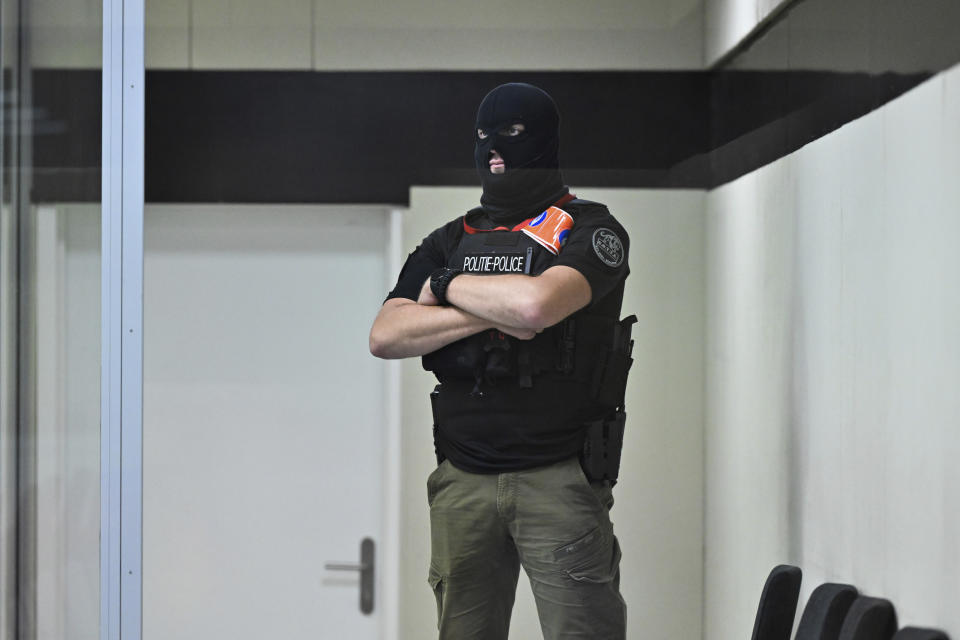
(750, 235)
(251, 34)
(840, 374)
(502, 14)
(465, 48)
(658, 515)
(924, 268)
(660, 496)
(868, 320)
(167, 34)
(610, 34)
(369, 35)
(418, 34)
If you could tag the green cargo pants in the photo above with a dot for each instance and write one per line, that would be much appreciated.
(551, 521)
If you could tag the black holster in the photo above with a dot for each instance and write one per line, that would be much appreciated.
(436, 425)
(602, 445)
(603, 439)
(609, 383)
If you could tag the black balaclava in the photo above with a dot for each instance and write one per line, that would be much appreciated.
(531, 180)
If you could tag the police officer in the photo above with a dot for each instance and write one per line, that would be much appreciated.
(515, 306)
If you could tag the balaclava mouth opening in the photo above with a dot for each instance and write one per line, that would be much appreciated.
(532, 177)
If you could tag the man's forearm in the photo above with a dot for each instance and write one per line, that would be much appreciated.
(404, 328)
(516, 300)
(502, 299)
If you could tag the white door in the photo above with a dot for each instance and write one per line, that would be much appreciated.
(263, 420)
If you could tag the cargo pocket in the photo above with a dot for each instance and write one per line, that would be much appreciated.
(593, 558)
(436, 583)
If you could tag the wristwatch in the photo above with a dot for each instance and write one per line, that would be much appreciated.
(440, 280)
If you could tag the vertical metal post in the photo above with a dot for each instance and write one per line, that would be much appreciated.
(121, 400)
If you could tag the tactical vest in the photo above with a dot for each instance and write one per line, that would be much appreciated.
(578, 347)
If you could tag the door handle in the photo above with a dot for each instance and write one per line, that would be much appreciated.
(366, 569)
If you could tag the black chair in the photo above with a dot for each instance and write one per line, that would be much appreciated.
(778, 604)
(869, 619)
(826, 609)
(915, 633)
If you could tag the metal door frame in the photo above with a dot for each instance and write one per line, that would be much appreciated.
(121, 373)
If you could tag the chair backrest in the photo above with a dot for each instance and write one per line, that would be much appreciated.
(916, 633)
(825, 611)
(778, 604)
(869, 619)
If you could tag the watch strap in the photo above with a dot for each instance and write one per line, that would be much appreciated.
(440, 280)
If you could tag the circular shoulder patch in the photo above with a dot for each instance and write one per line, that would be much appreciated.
(608, 247)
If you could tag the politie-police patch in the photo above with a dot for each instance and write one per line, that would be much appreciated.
(608, 247)
(493, 263)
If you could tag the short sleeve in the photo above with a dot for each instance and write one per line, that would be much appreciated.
(598, 248)
(426, 258)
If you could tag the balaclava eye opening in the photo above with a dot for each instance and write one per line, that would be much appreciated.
(532, 177)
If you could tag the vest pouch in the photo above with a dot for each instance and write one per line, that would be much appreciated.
(490, 355)
(501, 350)
(461, 359)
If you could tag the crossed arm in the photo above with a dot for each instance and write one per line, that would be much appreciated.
(516, 304)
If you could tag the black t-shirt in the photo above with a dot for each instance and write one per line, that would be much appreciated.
(512, 428)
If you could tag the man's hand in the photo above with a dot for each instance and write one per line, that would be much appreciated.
(426, 295)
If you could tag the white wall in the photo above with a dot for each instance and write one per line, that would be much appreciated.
(371, 35)
(833, 359)
(658, 512)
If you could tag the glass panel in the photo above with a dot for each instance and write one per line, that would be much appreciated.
(50, 307)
